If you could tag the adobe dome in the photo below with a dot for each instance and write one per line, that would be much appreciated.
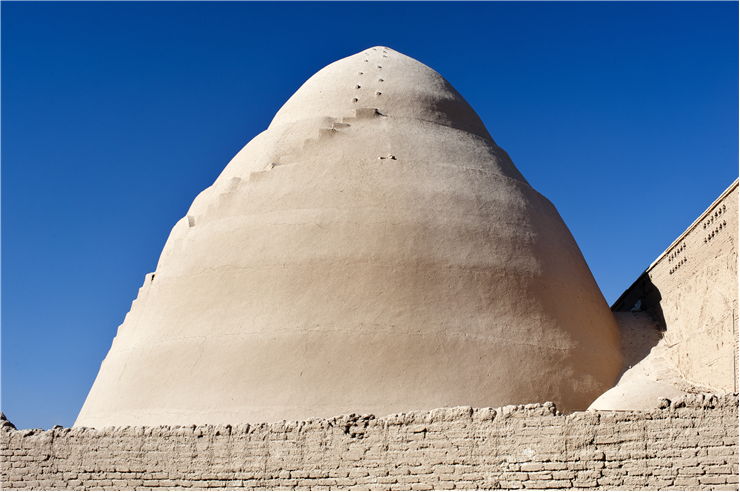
(373, 251)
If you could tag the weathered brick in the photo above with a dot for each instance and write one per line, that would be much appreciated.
(421, 486)
(686, 482)
(586, 483)
(532, 467)
(547, 484)
(563, 475)
(691, 470)
(712, 480)
(543, 475)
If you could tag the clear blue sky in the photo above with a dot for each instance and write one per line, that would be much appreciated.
(115, 115)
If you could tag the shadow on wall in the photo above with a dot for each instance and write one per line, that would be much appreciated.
(638, 339)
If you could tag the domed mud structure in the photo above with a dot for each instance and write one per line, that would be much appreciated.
(373, 251)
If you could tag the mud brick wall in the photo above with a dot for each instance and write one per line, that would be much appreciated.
(687, 444)
(691, 291)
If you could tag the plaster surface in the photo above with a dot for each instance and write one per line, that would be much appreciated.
(374, 250)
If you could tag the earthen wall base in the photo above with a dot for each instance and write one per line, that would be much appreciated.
(690, 444)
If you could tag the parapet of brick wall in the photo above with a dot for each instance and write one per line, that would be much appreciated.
(687, 444)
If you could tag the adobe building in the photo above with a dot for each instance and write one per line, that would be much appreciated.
(374, 251)
(374, 278)
(684, 310)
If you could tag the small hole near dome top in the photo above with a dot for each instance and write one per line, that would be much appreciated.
(354, 99)
(381, 80)
(358, 86)
(361, 73)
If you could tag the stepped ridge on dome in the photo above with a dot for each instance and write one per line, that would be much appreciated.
(365, 107)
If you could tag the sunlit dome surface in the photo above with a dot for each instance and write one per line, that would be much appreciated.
(373, 251)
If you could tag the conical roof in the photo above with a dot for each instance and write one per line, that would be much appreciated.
(373, 251)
